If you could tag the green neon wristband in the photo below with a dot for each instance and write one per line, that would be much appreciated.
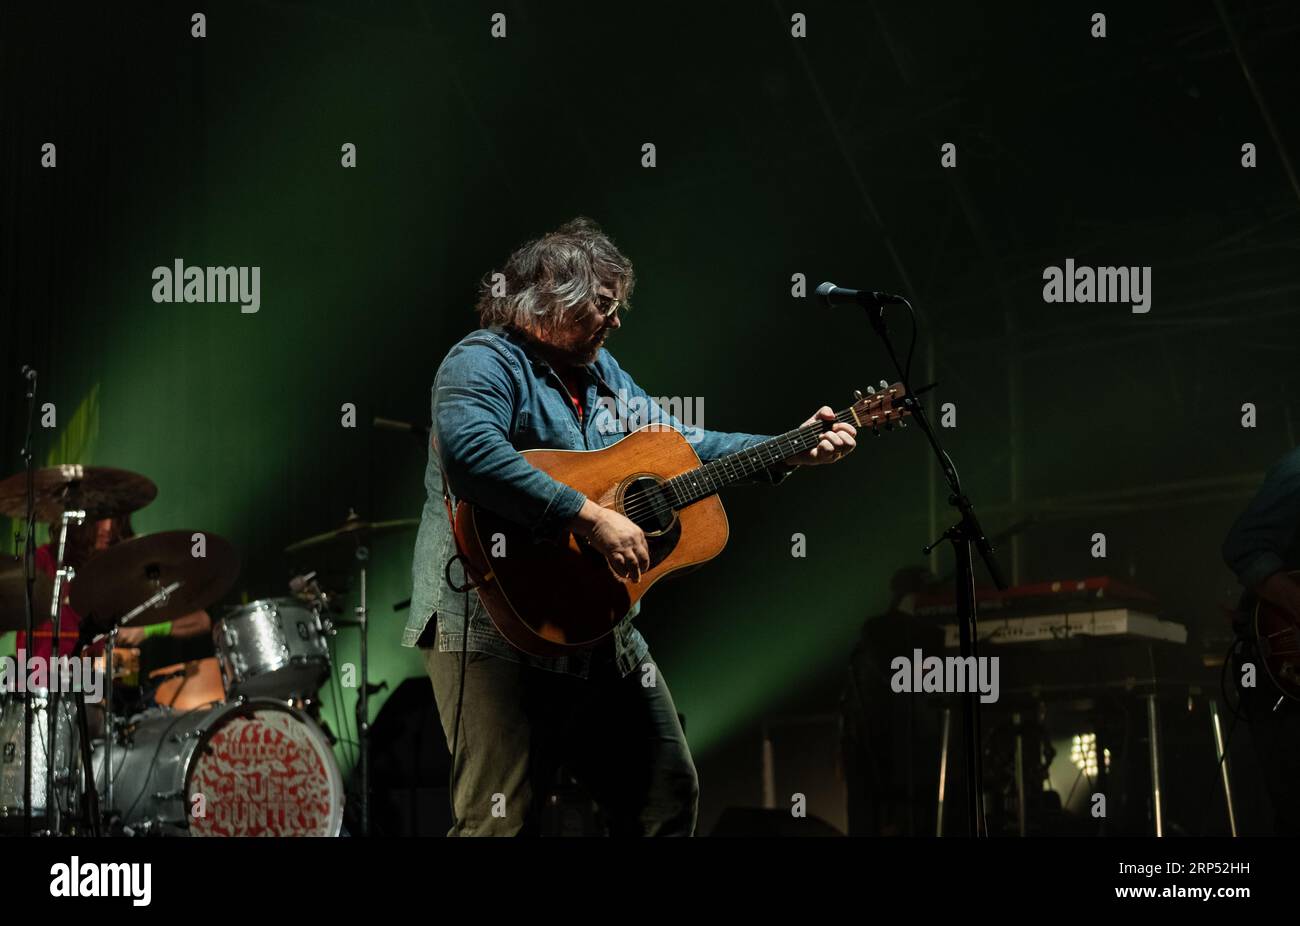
(158, 630)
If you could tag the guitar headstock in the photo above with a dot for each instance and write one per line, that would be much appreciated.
(880, 408)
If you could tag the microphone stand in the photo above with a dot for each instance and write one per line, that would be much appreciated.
(963, 535)
(363, 701)
(29, 583)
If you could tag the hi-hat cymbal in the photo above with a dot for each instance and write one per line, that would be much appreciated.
(13, 602)
(117, 580)
(354, 529)
(100, 491)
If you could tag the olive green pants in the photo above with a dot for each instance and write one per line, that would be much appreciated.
(619, 737)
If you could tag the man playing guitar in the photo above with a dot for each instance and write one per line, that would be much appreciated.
(537, 375)
(1262, 546)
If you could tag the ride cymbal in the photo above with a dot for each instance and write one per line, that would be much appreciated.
(354, 529)
(118, 580)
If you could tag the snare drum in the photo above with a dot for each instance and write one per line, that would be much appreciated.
(273, 648)
(253, 768)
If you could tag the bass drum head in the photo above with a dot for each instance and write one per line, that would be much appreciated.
(263, 769)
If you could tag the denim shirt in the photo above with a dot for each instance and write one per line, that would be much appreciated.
(1266, 536)
(492, 397)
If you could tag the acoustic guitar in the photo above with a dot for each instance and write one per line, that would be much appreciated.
(548, 598)
(1279, 644)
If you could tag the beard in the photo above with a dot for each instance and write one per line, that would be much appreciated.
(596, 344)
(584, 352)
(572, 351)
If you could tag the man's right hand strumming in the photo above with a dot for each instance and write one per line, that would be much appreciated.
(1281, 590)
(615, 537)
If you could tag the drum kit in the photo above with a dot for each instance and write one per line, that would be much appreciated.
(230, 745)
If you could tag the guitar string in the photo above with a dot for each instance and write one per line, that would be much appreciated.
(645, 504)
(656, 501)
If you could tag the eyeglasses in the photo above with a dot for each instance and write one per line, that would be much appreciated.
(607, 307)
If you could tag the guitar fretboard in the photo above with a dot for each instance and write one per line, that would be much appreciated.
(708, 479)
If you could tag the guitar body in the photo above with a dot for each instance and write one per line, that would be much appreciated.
(1279, 645)
(549, 598)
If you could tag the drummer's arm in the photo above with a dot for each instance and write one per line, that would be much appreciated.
(192, 625)
(189, 625)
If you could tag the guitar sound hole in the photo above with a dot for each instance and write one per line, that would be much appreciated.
(646, 505)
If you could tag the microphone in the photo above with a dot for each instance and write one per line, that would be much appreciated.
(389, 424)
(29, 377)
(834, 295)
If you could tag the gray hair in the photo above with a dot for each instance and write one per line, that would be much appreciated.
(550, 280)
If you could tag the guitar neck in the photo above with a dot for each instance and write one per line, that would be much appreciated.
(706, 480)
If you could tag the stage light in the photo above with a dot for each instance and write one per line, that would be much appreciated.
(1083, 753)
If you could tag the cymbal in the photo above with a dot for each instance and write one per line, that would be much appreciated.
(117, 580)
(354, 528)
(13, 603)
(101, 491)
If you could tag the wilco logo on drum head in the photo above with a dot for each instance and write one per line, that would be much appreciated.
(264, 774)
(253, 769)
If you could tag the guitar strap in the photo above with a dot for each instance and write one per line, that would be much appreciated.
(446, 494)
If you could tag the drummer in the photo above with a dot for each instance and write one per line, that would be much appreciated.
(84, 541)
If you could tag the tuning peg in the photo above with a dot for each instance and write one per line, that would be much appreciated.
(871, 390)
(884, 386)
(857, 395)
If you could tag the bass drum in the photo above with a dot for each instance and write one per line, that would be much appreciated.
(251, 768)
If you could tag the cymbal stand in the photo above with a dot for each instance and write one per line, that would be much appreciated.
(363, 695)
(159, 597)
(62, 574)
(110, 731)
